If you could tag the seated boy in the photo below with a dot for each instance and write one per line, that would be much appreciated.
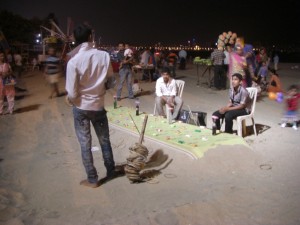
(238, 104)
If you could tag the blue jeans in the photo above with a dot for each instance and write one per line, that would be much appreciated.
(82, 122)
(125, 74)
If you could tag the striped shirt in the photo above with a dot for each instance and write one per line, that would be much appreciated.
(52, 65)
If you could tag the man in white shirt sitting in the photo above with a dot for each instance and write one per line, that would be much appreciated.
(166, 93)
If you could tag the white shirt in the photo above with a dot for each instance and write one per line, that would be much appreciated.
(226, 59)
(182, 54)
(87, 73)
(163, 89)
(18, 59)
(128, 52)
(145, 58)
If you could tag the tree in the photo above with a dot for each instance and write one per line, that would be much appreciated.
(18, 29)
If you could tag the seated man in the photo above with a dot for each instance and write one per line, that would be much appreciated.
(166, 93)
(238, 104)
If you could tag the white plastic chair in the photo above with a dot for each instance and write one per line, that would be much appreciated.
(180, 86)
(241, 123)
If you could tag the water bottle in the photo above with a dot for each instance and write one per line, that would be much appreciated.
(214, 127)
(115, 102)
(137, 107)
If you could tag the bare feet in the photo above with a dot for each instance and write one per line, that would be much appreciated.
(89, 184)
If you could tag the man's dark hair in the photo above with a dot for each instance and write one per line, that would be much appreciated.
(239, 76)
(166, 70)
(82, 33)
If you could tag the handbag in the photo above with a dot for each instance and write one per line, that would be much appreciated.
(9, 80)
(193, 117)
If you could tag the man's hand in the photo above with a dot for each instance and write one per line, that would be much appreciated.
(68, 102)
(170, 102)
(223, 110)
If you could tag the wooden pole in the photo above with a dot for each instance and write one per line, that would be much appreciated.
(143, 129)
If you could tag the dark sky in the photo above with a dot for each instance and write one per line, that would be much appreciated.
(172, 22)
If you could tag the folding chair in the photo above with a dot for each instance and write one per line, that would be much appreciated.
(180, 86)
(241, 123)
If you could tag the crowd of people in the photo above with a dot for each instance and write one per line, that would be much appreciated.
(237, 64)
(11, 79)
(89, 73)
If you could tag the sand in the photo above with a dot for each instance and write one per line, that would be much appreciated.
(41, 167)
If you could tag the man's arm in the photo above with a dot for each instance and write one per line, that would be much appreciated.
(230, 108)
(71, 81)
(111, 80)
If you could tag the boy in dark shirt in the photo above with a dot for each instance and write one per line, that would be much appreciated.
(238, 104)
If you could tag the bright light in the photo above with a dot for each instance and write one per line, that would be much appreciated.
(37, 41)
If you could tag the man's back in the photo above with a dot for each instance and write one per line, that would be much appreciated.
(87, 72)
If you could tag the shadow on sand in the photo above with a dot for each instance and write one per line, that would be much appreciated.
(27, 108)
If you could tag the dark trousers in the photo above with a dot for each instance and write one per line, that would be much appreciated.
(219, 77)
(229, 117)
(82, 122)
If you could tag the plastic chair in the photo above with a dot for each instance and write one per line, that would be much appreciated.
(180, 86)
(241, 123)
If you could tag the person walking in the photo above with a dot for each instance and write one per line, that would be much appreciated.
(6, 90)
(89, 74)
(53, 72)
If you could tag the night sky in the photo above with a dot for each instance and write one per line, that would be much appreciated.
(171, 22)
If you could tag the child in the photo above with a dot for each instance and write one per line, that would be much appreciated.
(292, 100)
(128, 55)
(274, 83)
(128, 52)
(136, 88)
(262, 76)
(6, 89)
(263, 72)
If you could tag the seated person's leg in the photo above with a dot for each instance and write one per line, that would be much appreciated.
(159, 106)
(230, 116)
(178, 104)
(218, 115)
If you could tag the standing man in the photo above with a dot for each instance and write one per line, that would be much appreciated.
(125, 73)
(276, 61)
(88, 74)
(217, 57)
(172, 62)
(182, 59)
(18, 69)
(166, 93)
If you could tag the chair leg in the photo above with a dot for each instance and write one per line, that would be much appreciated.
(244, 128)
(254, 126)
(239, 127)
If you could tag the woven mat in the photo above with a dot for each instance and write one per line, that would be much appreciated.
(189, 139)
